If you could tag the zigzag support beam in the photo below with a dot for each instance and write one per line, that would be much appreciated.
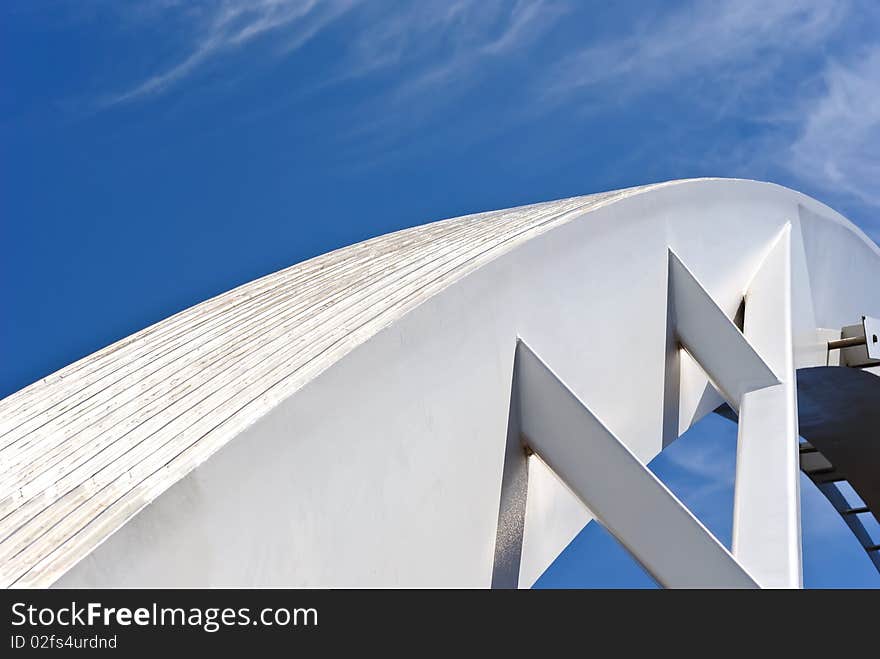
(635, 506)
(704, 330)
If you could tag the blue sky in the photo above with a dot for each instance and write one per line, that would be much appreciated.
(157, 153)
(700, 468)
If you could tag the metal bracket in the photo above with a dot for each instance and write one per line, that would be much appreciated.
(853, 337)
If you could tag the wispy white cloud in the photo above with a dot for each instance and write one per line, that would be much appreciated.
(436, 53)
(794, 68)
(804, 72)
(438, 40)
(699, 38)
(445, 41)
(837, 146)
(230, 24)
(527, 22)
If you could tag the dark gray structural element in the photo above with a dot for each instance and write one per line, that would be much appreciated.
(839, 417)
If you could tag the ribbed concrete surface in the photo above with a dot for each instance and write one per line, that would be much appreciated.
(84, 449)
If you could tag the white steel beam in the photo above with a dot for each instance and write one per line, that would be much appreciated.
(705, 331)
(766, 521)
(510, 532)
(629, 500)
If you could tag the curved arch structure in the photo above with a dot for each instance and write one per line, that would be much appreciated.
(412, 410)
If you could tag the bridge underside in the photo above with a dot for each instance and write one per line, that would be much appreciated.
(839, 417)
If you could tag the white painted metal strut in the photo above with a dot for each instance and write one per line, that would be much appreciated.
(705, 331)
(766, 517)
(766, 528)
(629, 500)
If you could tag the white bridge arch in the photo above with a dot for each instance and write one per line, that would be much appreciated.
(345, 421)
